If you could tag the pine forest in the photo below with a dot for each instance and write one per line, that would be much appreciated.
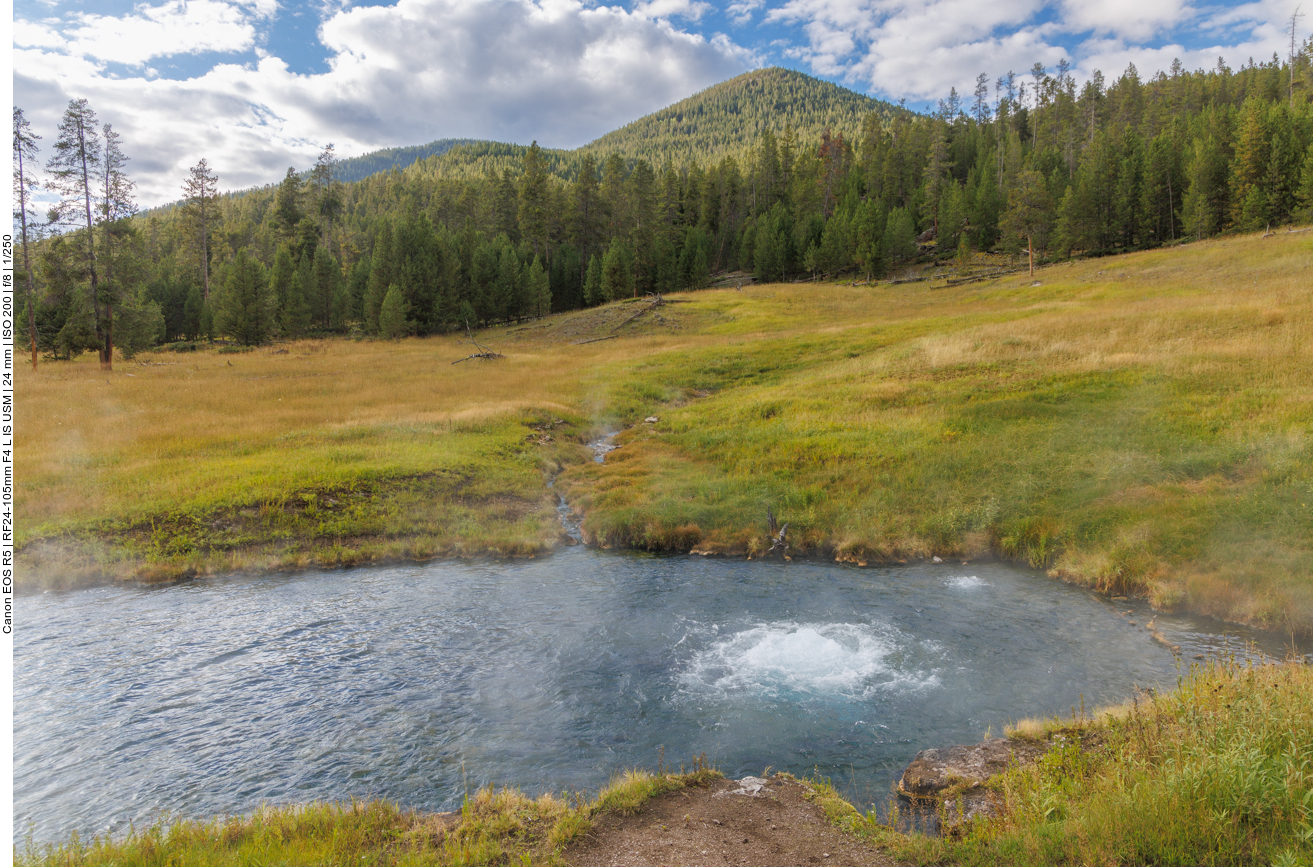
(770, 176)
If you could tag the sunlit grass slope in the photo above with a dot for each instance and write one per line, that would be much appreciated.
(1135, 424)
(1138, 424)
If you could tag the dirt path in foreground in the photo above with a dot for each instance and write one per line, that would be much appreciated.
(723, 824)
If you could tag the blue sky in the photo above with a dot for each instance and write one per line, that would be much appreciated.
(257, 85)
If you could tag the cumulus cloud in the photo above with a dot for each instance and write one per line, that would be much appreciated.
(558, 71)
(919, 50)
(1129, 19)
(176, 27)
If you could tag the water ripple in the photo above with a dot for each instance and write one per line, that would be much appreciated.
(418, 682)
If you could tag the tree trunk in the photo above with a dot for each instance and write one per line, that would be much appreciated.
(106, 350)
(1030, 249)
(107, 358)
(205, 248)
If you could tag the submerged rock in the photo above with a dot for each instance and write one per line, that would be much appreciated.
(956, 776)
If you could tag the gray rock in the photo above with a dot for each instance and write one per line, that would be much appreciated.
(969, 767)
(748, 786)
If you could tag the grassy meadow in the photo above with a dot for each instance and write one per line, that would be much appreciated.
(1138, 424)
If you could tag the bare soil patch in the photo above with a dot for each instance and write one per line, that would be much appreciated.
(777, 826)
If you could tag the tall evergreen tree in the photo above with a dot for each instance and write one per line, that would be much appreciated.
(593, 292)
(534, 199)
(200, 190)
(327, 191)
(116, 205)
(392, 322)
(246, 309)
(73, 168)
(1030, 212)
(281, 277)
(25, 152)
(287, 205)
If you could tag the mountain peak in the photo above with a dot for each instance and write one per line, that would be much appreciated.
(728, 118)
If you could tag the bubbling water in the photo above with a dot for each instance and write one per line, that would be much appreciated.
(966, 582)
(800, 661)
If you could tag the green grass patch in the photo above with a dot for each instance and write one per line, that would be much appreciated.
(1218, 772)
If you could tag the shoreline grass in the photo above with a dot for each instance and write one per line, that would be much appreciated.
(1219, 771)
(1136, 424)
(493, 827)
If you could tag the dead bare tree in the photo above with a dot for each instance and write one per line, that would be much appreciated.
(484, 352)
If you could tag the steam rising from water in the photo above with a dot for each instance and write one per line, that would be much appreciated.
(807, 660)
(966, 581)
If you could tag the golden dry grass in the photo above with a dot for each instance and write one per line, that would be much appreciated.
(1135, 423)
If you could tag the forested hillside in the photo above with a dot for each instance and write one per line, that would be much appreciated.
(356, 168)
(772, 172)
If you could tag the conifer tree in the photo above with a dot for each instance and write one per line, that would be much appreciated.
(24, 153)
(324, 285)
(613, 198)
(538, 288)
(392, 323)
(593, 294)
(1205, 203)
(587, 219)
(1030, 212)
(327, 191)
(73, 168)
(191, 316)
(382, 274)
(200, 191)
(900, 235)
(121, 264)
(246, 308)
(287, 205)
(297, 314)
(280, 281)
(534, 199)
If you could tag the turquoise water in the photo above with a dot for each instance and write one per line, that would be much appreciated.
(420, 682)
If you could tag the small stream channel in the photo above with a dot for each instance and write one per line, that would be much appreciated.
(421, 682)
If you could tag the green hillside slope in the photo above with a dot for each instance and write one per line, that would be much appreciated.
(356, 168)
(726, 119)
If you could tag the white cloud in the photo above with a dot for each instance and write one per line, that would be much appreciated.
(35, 34)
(741, 12)
(176, 27)
(1130, 19)
(557, 71)
(691, 10)
(919, 50)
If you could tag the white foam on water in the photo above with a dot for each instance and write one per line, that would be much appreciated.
(966, 581)
(808, 659)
